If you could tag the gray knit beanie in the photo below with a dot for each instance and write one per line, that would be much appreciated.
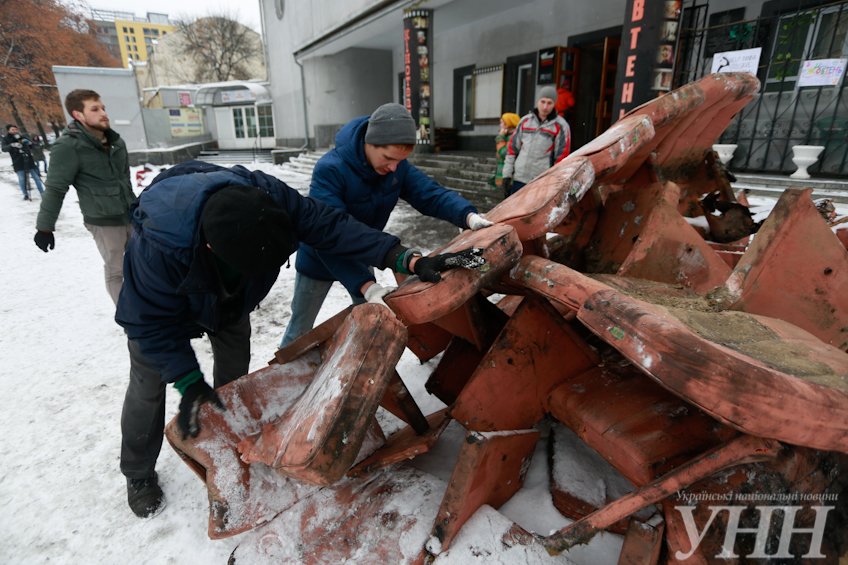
(547, 92)
(390, 124)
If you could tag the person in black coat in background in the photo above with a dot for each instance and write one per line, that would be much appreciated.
(19, 147)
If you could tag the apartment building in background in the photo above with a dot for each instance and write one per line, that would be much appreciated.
(129, 37)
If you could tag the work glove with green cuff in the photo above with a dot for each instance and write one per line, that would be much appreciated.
(195, 392)
(429, 269)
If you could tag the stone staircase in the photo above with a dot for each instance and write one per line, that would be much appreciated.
(305, 162)
(467, 173)
(236, 157)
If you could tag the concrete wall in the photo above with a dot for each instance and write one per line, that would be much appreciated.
(338, 87)
(328, 81)
(118, 91)
(281, 39)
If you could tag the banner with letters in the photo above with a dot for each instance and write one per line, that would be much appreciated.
(417, 71)
(646, 56)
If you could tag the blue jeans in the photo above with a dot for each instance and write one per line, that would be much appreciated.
(309, 295)
(35, 176)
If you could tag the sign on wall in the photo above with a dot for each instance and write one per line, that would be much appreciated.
(822, 72)
(741, 61)
(184, 96)
(646, 56)
(417, 71)
(230, 96)
(185, 122)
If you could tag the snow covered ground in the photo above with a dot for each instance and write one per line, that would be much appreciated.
(63, 373)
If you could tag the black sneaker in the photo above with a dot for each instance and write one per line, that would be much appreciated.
(144, 496)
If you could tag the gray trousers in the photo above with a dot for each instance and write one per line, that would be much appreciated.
(111, 242)
(143, 415)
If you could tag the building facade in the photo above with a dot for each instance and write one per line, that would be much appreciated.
(128, 37)
(464, 62)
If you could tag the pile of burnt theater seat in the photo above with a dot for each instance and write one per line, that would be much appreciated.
(676, 362)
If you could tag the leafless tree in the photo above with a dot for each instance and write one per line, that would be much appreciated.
(220, 47)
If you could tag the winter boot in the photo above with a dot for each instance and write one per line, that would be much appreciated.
(145, 496)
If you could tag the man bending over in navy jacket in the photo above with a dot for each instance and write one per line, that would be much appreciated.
(206, 248)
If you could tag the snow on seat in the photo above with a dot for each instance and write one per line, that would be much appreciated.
(318, 438)
(309, 419)
(384, 519)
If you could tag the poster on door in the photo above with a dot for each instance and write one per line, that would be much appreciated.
(417, 75)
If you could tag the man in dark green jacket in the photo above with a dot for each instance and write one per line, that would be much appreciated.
(92, 157)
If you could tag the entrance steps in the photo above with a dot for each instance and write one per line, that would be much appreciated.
(467, 173)
(305, 162)
(236, 156)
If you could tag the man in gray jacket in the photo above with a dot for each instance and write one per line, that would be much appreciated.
(541, 140)
(92, 157)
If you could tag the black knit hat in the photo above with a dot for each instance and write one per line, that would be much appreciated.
(247, 230)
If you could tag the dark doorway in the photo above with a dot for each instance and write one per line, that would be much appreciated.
(520, 83)
(592, 112)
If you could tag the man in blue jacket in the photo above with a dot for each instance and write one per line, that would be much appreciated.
(365, 175)
(207, 246)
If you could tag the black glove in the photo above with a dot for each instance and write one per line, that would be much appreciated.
(193, 398)
(507, 186)
(428, 268)
(44, 240)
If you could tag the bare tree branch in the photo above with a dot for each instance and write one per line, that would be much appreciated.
(220, 47)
